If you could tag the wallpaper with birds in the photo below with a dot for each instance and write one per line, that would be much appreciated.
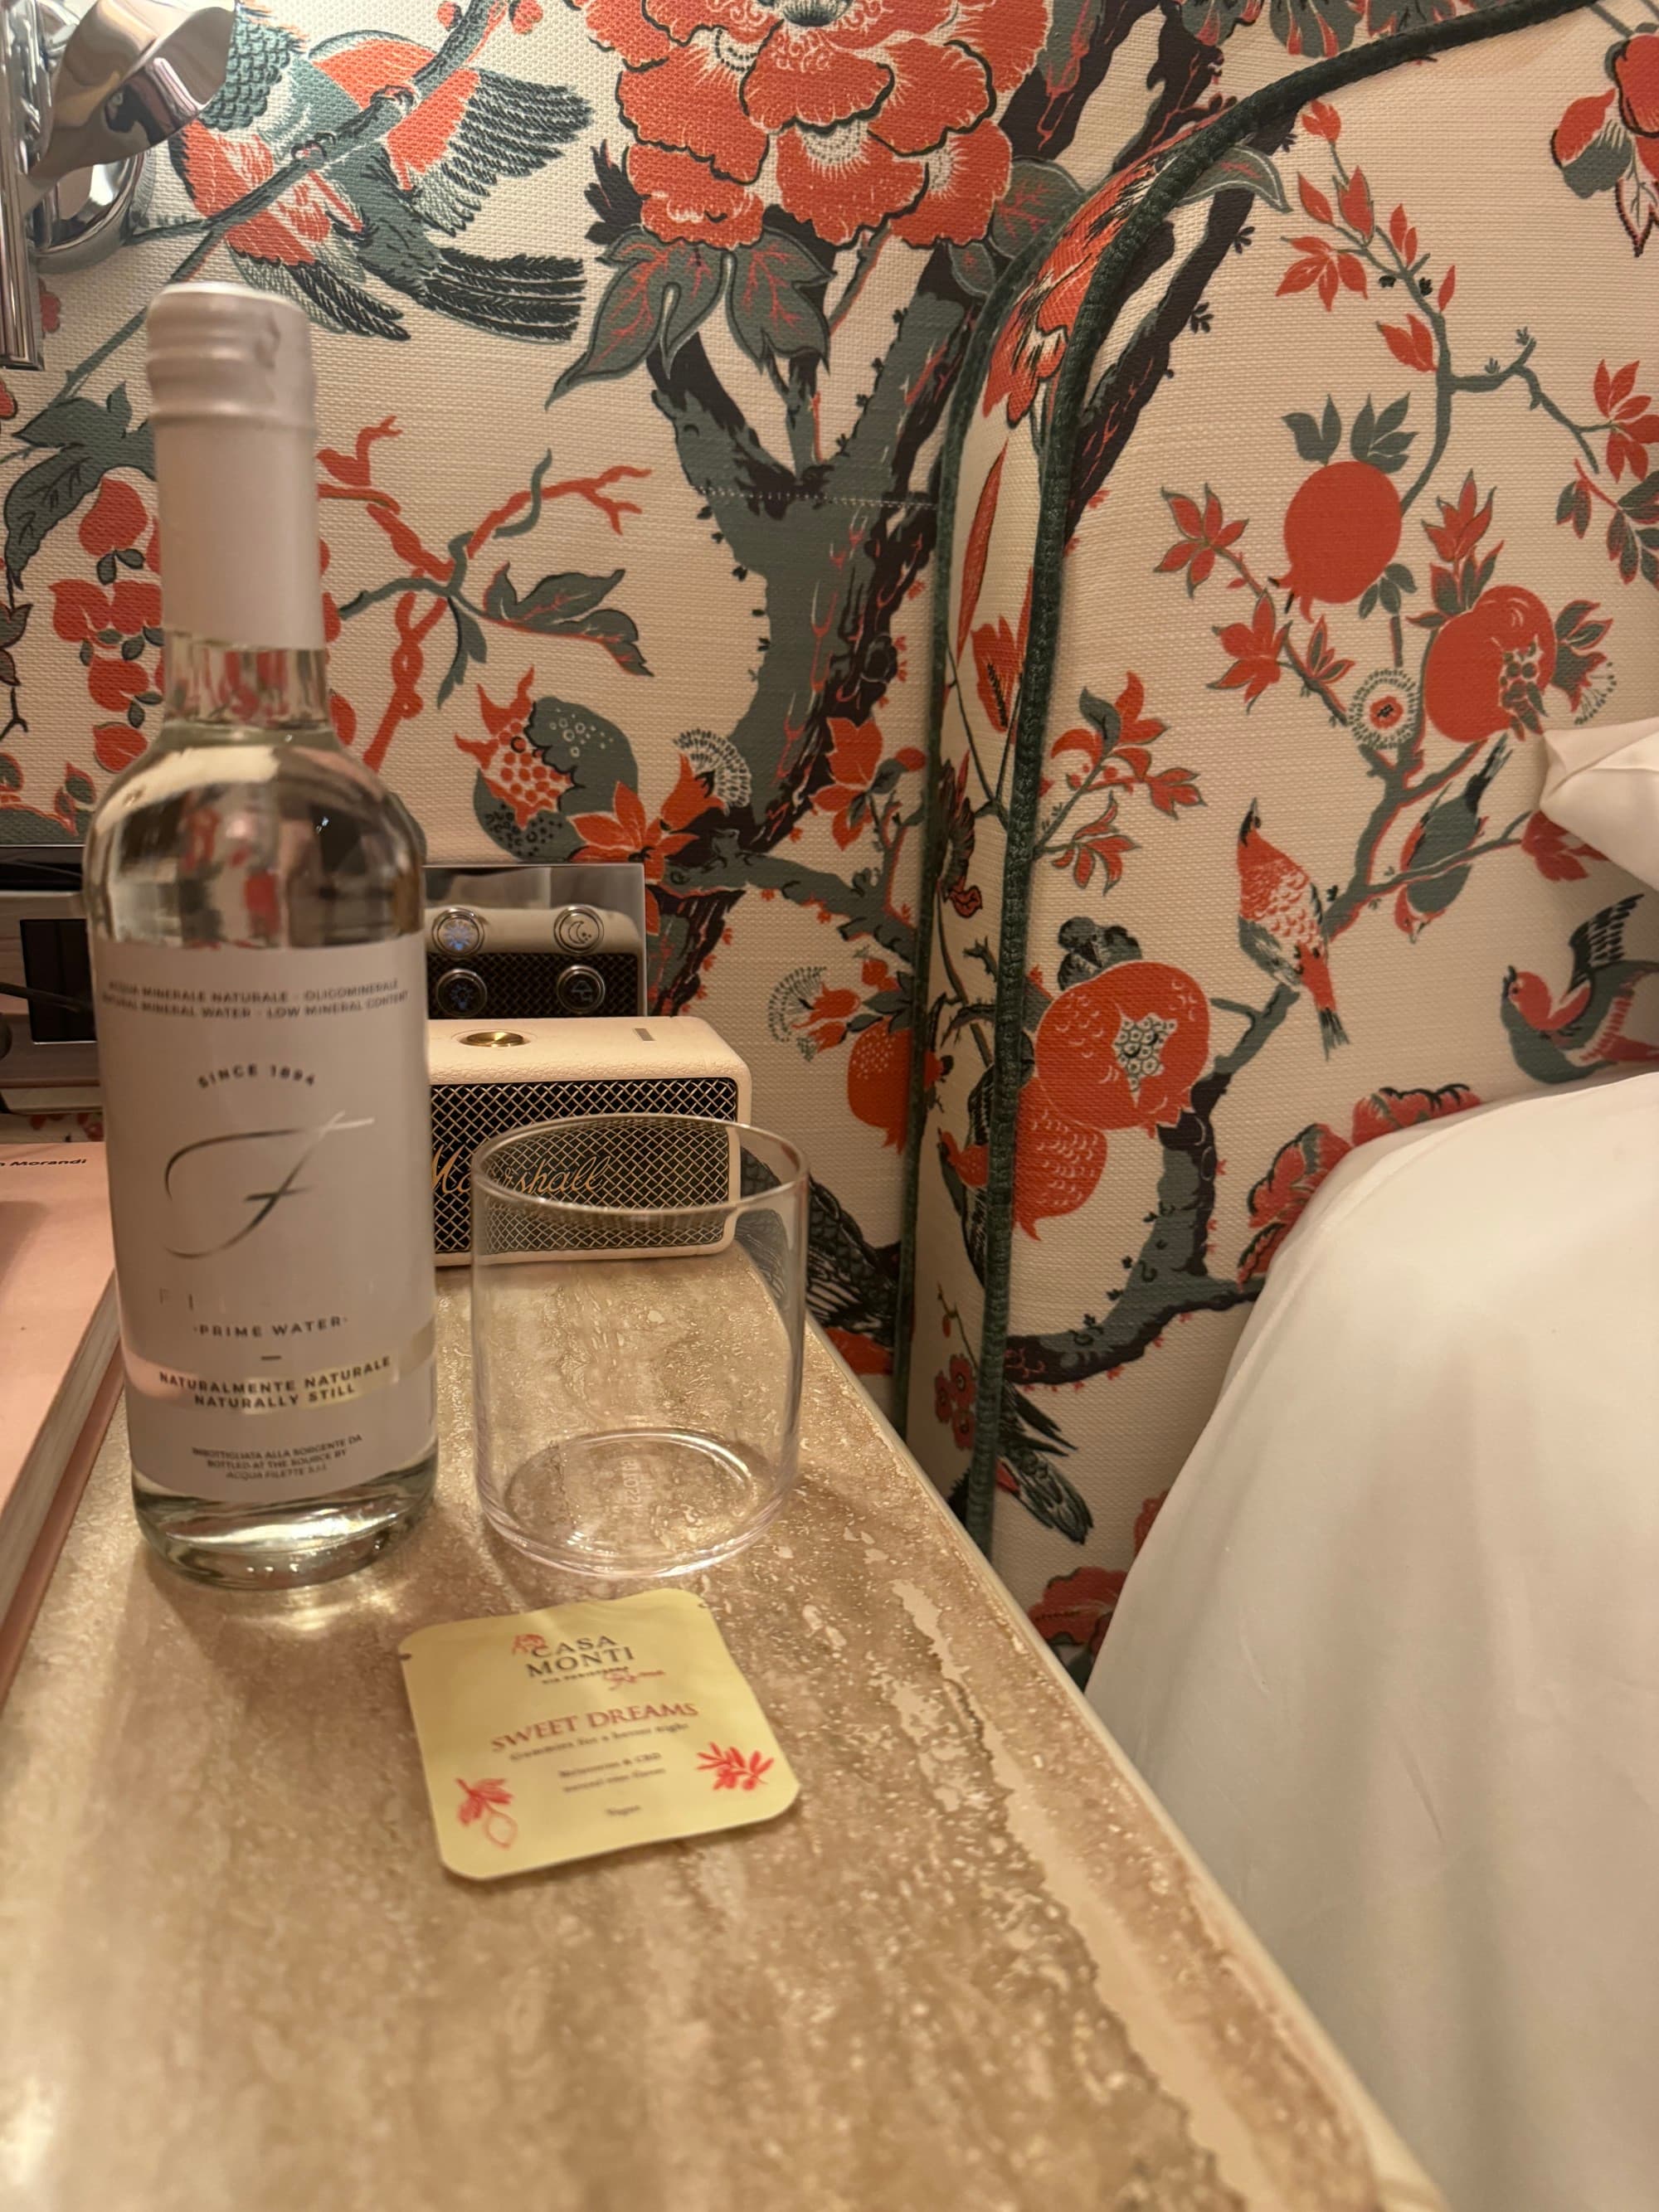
(637, 322)
(1361, 499)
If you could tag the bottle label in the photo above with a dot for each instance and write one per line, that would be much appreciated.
(268, 1121)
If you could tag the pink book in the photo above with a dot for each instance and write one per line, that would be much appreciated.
(59, 1375)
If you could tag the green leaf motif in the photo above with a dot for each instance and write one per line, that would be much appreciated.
(568, 606)
(41, 498)
(554, 600)
(1316, 27)
(1379, 439)
(81, 441)
(1391, 589)
(1574, 506)
(1641, 501)
(1072, 28)
(660, 293)
(616, 631)
(694, 281)
(1103, 715)
(1215, 20)
(1316, 443)
(1040, 194)
(1240, 169)
(14, 621)
(974, 269)
(1388, 16)
(776, 302)
(1623, 548)
(470, 646)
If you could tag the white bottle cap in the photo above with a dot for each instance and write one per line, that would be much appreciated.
(233, 412)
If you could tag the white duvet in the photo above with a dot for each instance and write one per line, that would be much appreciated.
(1391, 1654)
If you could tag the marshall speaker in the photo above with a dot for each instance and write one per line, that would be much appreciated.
(486, 1079)
(511, 942)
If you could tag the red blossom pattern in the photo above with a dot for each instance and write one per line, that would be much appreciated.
(1633, 426)
(847, 117)
(1609, 140)
(849, 798)
(1206, 534)
(1254, 647)
(627, 834)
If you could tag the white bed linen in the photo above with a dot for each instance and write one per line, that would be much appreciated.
(1603, 785)
(1391, 1654)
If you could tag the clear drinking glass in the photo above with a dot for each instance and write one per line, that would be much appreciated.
(639, 1291)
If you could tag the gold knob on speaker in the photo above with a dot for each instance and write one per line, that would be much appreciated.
(496, 1038)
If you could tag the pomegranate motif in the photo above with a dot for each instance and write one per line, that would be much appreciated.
(1342, 531)
(1057, 1165)
(878, 1080)
(1122, 1050)
(1486, 665)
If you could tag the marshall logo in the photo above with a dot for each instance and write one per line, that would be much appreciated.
(298, 1146)
(449, 1175)
(581, 1654)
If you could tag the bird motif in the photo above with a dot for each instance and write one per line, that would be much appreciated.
(1585, 1031)
(1281, 924)
(383, 209)
(852, 1284)
(1450, 826)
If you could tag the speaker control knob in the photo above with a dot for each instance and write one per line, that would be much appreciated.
(579, 990)
(460, 992)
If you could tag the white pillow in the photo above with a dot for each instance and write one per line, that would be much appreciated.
(1603, 785)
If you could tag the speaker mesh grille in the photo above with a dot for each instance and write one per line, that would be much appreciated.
(522, 984)
(465, 1114)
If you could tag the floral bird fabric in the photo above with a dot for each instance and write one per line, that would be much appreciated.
(637, 323)
(1355, 501)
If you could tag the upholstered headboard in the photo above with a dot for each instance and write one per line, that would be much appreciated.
(1306, 475)
(631, 455)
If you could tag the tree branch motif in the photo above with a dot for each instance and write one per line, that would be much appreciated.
(1438, 812)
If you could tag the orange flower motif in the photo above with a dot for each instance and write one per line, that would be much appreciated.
(846, 114)
(854, 757)
(627, 834)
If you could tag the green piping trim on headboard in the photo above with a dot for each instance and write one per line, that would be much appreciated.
(1185, 164)
(1007, 289)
